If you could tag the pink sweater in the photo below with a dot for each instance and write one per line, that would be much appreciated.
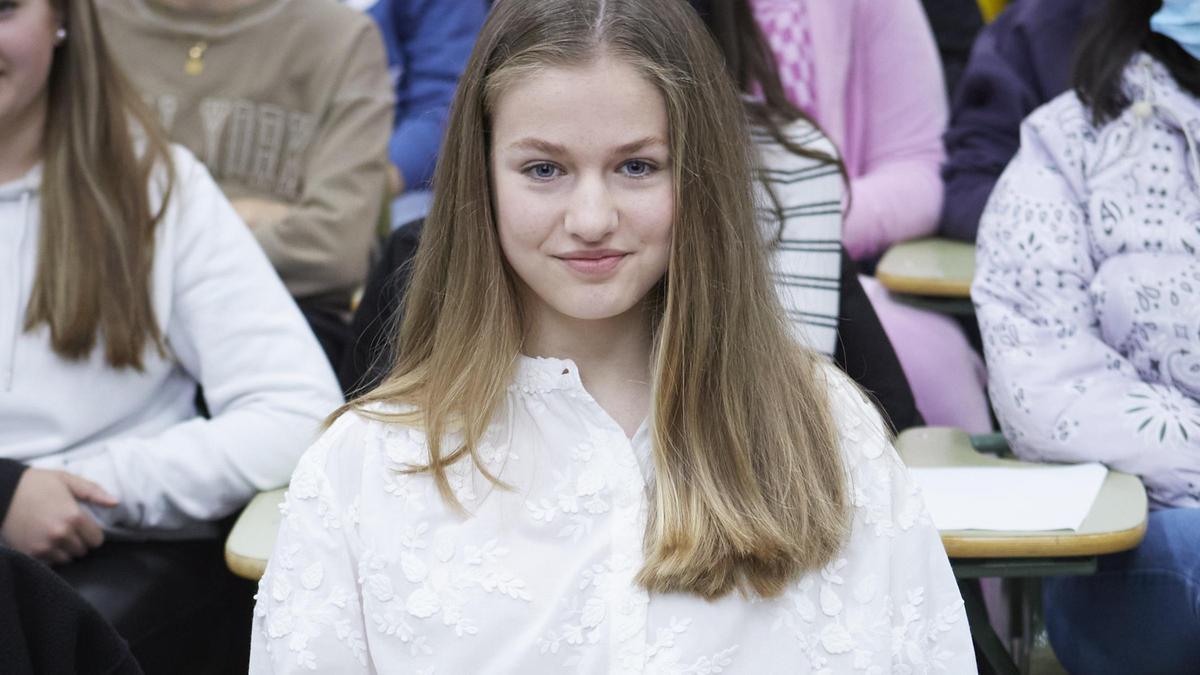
(879, 95)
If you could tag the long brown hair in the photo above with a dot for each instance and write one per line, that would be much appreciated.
(749, 490)
(97, 224)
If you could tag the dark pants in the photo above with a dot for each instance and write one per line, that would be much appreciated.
(175, 603)
(46, 627)
(331, 328)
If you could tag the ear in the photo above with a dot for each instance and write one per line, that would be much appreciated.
(59, 9)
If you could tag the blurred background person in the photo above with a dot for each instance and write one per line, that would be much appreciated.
(1087, 293)
(1019, 62)
(289, 105)
(955, 24)
(428, 42)
(868, 73)
(127, 282)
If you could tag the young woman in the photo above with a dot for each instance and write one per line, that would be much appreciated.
(288, 105)
(127, 280)
(1087, 287)
(600, 448)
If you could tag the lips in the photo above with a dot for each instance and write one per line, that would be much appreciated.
(593, 263)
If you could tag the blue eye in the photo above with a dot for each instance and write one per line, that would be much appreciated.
(542, 171)
(637, 168)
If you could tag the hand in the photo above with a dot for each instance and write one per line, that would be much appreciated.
(395, 181)
(45, 519)
(258, 212)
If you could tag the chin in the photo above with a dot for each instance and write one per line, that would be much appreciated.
(593, 310)
(593, 313)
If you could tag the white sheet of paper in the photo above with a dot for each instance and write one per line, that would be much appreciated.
(995, 498)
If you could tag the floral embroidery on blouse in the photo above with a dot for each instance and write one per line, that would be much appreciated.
(372, 572)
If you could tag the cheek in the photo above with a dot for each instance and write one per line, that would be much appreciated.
(526, 219)
(28, 56)
(655, 216)
(521, 220)
(29, 41)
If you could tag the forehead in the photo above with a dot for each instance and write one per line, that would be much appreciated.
(604, 101)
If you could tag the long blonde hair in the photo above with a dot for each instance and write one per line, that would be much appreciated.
(96, 248)
(750, 490)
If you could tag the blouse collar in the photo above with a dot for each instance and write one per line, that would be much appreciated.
(542, 375)
(29, 183)
(538, 375)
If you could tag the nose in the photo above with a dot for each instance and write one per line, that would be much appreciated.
(592, 215)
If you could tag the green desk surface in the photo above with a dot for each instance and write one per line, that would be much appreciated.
(1116, 522)
(936, 267)
(253, 535)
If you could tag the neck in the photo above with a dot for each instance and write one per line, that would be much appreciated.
(613, 357)
(598, 347)
(21, 140)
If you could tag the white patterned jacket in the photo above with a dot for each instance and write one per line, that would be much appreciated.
(1088, 287)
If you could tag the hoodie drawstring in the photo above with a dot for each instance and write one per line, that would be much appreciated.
(14, 329)
(1144, 108)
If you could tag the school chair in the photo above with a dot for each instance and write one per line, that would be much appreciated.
(931, 273)
(249, 543)
(1116, 522)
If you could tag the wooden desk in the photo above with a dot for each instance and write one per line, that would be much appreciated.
(928, 267)
(1116, 522)
(253, 535)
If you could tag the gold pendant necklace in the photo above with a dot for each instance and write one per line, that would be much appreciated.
(195, 58)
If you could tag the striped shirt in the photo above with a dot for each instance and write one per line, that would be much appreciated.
(803, 227)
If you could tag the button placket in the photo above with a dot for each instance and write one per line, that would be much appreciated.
(630, 601)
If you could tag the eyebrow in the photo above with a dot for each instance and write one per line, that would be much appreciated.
(549, 148)
(640, 144)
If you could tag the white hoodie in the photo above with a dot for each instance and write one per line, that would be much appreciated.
(229, 325)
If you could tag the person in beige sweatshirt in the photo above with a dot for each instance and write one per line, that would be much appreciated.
(289, 105)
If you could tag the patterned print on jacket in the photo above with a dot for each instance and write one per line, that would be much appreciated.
(1088, 287)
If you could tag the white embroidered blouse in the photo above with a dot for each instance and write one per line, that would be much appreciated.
(372, 572)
